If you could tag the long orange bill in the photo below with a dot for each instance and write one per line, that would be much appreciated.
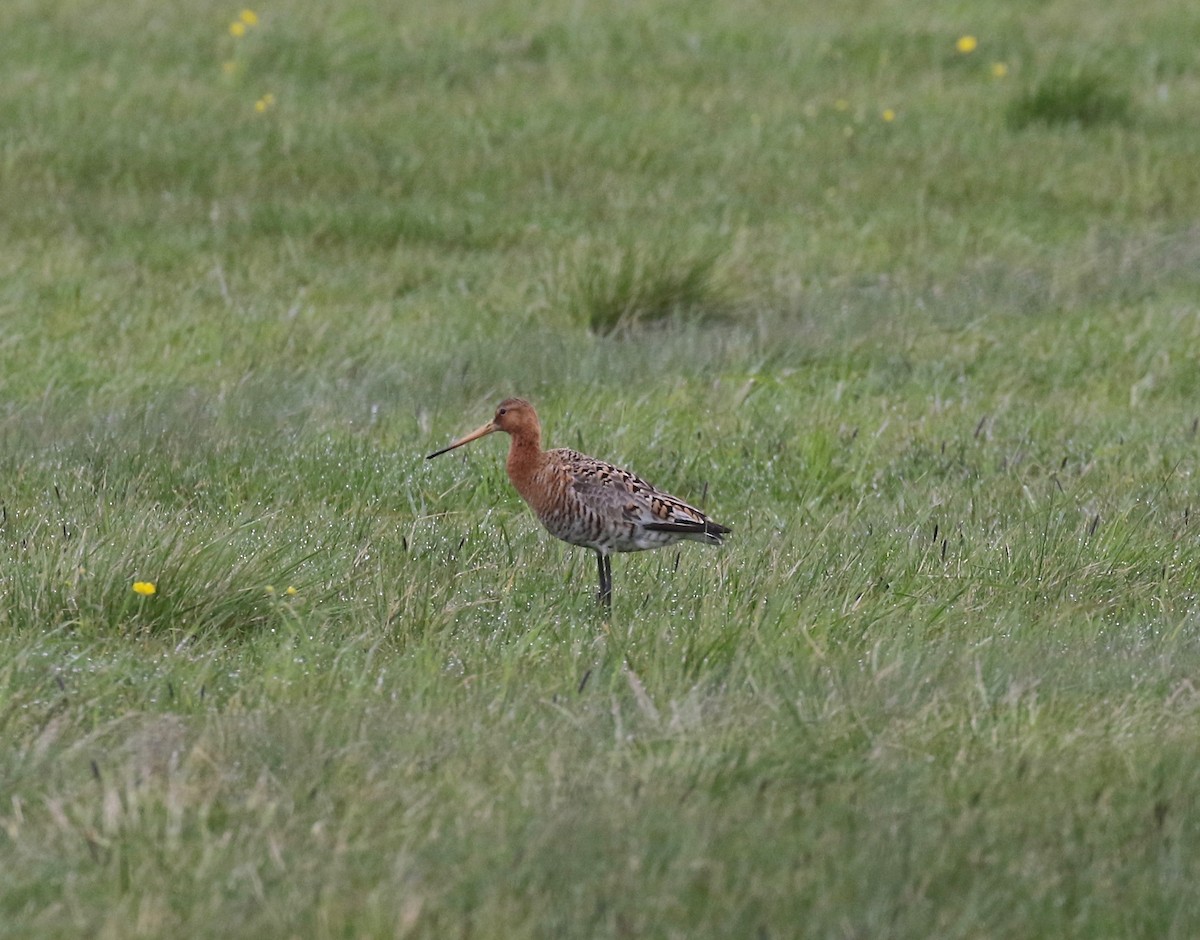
(473, 436)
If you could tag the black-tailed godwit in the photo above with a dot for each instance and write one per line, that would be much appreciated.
(586, 501)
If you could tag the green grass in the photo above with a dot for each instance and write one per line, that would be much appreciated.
(939, 374)
(1063, 97)
(642, 287)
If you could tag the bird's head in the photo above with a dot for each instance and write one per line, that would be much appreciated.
(514, 416)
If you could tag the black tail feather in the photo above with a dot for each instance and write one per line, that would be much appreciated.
(714, 530)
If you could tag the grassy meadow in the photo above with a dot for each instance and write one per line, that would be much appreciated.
(907, 294)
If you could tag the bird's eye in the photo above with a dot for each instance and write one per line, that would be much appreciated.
(502, 411)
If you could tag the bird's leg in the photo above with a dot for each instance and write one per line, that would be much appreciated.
(604, 564)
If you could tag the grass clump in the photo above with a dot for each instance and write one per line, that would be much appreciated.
(1085, 98)
(636, 287)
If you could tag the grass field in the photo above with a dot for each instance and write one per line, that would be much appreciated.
(905, 293)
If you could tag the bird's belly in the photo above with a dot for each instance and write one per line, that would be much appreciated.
(607, 536)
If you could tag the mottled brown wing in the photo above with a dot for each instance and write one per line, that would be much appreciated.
(627, 500)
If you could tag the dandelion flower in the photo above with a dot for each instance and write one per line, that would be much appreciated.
(249, 17)
(145, 588)
(291, 589)
(841, 104)
(966, 44)
(265, 102)
(888, 115)
(999, 69)
(229, 67)
(237, 29)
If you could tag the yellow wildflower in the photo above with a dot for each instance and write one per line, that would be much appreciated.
(237, 29)
(966, 44)
(841, 104)
(888, 115)
(265, 102)
(229, 67)
(145, 588)
(999, 69)
(290, 590)
(249, 17)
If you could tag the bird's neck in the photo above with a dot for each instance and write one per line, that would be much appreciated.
(525, 458)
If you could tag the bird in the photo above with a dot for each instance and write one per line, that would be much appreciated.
(588, 502)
